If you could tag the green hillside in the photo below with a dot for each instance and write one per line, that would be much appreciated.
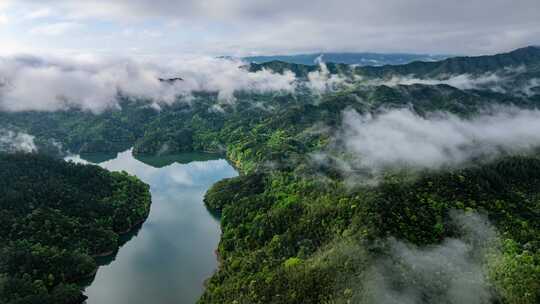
(295, 231)
(55, 218)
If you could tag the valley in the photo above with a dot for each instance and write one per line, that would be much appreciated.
(323, 211)
(175, 246)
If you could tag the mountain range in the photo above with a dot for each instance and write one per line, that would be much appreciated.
(356, 183)
(361, 59)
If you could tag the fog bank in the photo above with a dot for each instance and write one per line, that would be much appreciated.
(451, 272)
(11, 141)
(94, 84)
(402, 138)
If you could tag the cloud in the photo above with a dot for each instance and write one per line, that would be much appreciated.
(322, 80)
(39, 14)
(492, 81)
(11, 141)
(55, 29)
(90, 83)
(235, 26)
(227, 76)
(393, 139)
(532, 87)
(513, 80)
(144, 34)
(4, 19)
(451, 272)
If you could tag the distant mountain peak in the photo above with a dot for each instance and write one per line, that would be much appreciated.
(360, 59)
(527, 57)
(531, 49)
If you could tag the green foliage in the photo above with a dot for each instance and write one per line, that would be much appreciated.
(303, 241)
(516, 274)
(288, 236)
(292, 262)
(54, 217)
(227, 191)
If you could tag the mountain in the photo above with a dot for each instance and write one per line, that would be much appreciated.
(56, 217)
(514, 73)
(361, 59)
(300, 226)
(528, 58)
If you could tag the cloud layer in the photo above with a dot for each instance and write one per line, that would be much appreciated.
(322, 80)
(235, 27)
(506, 80)
(450, 272)
(89, 83)
(403, 139)
(11, 141)
(493, 81)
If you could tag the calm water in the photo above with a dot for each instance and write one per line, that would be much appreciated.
(170, 256)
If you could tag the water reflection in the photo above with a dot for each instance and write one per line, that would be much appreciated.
(96, 158)
(173, 252)
(166, 160)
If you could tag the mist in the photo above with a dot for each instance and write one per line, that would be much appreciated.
(451, 272)
(506, 81)
(94, 84)
(492, 81)
(11, 141)
(322, 80)
(401, 138)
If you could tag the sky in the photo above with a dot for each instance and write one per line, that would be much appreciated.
(257, 27)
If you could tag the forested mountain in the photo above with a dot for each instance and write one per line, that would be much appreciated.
(525, 57)
(362, 59)
(300, 228)
(55, 217)
(513, 73)
(293, 240)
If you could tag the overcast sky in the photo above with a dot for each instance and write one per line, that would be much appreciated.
(241, 27)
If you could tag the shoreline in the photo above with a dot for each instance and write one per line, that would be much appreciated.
(219, 261)
(120, 233)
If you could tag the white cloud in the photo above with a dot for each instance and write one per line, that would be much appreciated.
(39, 13)
(450, 272)
(91, 83)
(147, 33)
(235, 26)
(506, 80)
(403, 139)
(4, 19)
(11, 141)
(532, 87)
(322, 80)
(55, 29)
(463, 81)
(4, 4)
(152, 33)
(182, 178)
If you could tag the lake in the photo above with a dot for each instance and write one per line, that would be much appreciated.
(170, 256)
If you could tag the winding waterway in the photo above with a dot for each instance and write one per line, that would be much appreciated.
(168, 259)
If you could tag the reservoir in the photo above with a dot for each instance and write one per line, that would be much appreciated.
(169, 257)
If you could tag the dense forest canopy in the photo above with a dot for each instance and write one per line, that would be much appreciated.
(55, 217)
(319, 217)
